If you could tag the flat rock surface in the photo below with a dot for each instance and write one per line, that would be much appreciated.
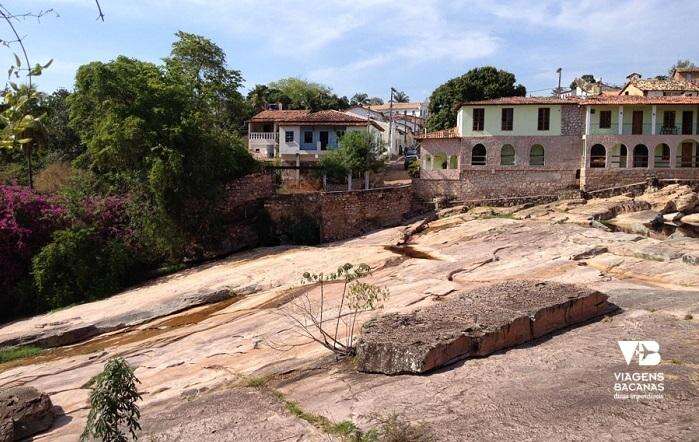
(559, 387)
(476, 323)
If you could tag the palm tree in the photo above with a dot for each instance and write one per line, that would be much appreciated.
(401, 97)
(359, 99)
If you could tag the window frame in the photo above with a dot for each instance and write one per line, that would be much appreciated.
(478, 123)
(543, 122)
(605, 119)
(542, 156)
(507, 117)
(287, 138)
(305, 139)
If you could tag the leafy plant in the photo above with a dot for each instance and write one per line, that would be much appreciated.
(313, 321)
(113, 404)
(359, 151)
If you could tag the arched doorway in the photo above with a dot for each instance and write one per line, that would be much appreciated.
(688, 154)
(598, 157)
(440, 161)
(640, 156)
(537, 155)
(507, 155)
(478, 155)
(661, 156)
(619, 156)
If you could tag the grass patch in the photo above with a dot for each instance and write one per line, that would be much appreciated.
(8, 354)
(256, 382)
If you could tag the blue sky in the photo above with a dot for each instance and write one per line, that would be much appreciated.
(369, 45)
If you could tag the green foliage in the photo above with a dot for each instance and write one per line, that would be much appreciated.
(78, 266)
(401, 97)
(62, 141)
(477, 84)
(8, 354)
(296, 93)
(394, 428)
(414, 168)
(113, 404)
(359, 151)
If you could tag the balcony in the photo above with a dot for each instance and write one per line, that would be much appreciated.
(642, 129)
(263, 138)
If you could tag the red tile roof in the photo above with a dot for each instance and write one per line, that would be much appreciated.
(440, 134)
(638, 99)
(654, 84)
(521, 100)
(330, 117)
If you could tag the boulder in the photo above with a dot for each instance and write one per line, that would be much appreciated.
(692, 219)
(24, 411)
(477, 323)
(672, 217)
(638, 222)
(671, 198)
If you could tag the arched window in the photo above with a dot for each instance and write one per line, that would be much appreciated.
(536, 155)
(478, 155)
(440, 161)
(453, 162)
(640, 156)
(619, 156)
(507, 155)
(598, 156)
(662, 156)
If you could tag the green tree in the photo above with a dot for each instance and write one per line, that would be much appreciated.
(201, 63)
(22, 130)
(401, 97)
(681, 64)
(113, 404)
(61, 139)
(587, 77)
(477, 84)
(359, 151)
(359, 99)
(373, 101)
(302, 94)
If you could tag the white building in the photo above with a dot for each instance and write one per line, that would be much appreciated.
(415, 108)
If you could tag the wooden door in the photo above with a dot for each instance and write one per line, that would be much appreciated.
(686, 152)
(637, 123)
(687, 120)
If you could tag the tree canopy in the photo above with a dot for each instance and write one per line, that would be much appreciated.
(401, 97)
(477, 84)
(359, 151)
(296, 93)
(679, 65)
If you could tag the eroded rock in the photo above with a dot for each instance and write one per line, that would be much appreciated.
(478, 323)
(24, 411)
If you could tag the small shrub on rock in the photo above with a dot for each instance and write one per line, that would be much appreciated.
(113, 406)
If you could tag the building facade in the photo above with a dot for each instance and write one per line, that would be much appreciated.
(301, 135)
(527, 146)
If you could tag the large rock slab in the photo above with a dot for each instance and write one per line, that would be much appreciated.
(477, 323)
(24, 411)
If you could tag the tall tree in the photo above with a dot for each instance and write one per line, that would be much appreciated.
(302, 94)
(477, 84)
(401, 97)
(679, 65)
(359, 99)
(199, 61)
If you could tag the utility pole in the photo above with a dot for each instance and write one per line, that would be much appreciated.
(390, 121)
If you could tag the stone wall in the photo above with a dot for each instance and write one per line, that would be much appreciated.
(596, 179)
(342, 215)
(572, 120)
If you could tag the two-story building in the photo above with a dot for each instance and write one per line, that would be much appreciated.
(413, 108)
(524, 146)
(302, 135)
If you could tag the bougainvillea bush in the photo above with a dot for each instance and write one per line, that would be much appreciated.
(27, 223)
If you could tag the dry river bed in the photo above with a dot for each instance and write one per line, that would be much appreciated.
(196, 361)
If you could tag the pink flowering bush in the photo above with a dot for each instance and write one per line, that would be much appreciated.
(27, 221)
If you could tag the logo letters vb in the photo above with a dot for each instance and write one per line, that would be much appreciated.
(648, 352)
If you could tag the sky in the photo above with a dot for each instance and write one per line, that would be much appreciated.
(370, 45)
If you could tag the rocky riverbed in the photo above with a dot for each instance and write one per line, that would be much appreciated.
(203, 340)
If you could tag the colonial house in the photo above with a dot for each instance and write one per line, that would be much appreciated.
(415, 108)
(677, 84)
(524, 146)
(403, 129)
(302, 135)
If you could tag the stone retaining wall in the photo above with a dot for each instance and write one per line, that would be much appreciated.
(342, 215)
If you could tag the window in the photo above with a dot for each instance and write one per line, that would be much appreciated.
(507, 118)
(453, 162)
(598, 155)
(289, 136)
(478, 155)
(507, 155)
(544, 118)
(478, 119)
(308, 137)
(605, 119)
(669, 119)
(640, 156)
(536, 155)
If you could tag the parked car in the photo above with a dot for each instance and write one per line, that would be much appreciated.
(411, 154)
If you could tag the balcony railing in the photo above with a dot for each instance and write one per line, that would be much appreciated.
(266, 136)
(644, 129)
